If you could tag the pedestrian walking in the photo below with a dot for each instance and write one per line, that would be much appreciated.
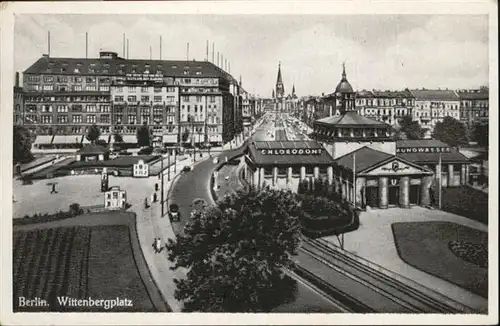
(160, 247)
(53, 191)
(154, 245)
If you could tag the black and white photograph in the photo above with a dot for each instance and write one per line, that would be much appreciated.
(308, 164)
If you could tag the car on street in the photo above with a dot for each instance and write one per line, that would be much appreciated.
(186, 169)
(173, 213)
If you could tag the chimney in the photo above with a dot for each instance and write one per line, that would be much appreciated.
(17, 79)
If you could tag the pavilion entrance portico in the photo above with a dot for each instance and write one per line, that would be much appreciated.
(399, 187)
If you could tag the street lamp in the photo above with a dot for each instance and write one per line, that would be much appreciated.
(193, 137)
(162, 186)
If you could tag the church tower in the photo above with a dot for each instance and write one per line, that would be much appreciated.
(280, 90)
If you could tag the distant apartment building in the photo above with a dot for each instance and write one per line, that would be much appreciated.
(432, 106)
(474, 106)
(63, 97)
(385, 106)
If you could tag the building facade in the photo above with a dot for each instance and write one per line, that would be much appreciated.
(385, 106)
(474, 107)
(65, 96)
(432, 106)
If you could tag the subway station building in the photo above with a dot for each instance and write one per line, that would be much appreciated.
(360, 157)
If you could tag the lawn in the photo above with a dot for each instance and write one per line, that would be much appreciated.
(121, 162)
(63, 168)
(466, 201)
(425, 245)
(78, 262)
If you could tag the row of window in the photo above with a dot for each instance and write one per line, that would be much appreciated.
(144, 89)
(66, 79)
(143, 110)
(384, 102)
(187, 98)
(41, 99)
(144, 99)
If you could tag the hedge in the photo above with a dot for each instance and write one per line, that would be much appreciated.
(74, 210)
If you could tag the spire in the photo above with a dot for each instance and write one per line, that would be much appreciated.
(279, 80)
(344, 76)
(240, 81)
(293, 89)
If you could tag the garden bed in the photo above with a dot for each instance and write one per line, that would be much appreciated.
(78, 262)
(425, 245)
(466, 201)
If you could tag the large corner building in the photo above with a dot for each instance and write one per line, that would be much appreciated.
(180, 101)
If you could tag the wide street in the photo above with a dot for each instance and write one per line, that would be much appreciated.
(195, 184)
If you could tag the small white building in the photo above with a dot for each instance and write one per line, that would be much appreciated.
(115, 198)
(140, 170)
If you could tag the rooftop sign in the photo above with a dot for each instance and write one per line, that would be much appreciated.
(403, 150)
(144, 77)
(292, 151)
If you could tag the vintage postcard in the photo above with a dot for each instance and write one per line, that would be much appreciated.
(249, 163)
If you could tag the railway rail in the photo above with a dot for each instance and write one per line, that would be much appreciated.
(409, 298)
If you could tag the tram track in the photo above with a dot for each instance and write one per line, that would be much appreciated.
(410, 299)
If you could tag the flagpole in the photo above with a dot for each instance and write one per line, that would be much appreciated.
(354, 176)
(440, 180)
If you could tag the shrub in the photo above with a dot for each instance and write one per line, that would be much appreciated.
(75, 209)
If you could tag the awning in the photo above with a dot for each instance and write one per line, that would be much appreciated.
(130, 139)
(43, 140)
(215, 138)
(105, 138)
(67, 139)
(170, 139)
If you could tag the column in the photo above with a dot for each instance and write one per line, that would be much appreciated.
(302, 173)
(255, 182)
(463, 177)
(425, 198)
(289, 177)
(451, 181)
(383, 191)
(261, 177)
(360, 191)
(329, 172)
(275, 176)
(404, 192)
(467, 173)
(345, 193)
(341, 185)
(316, 172)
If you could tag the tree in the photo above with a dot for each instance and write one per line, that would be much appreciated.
(185, 135)
(410, 128)
(235, 252)
(450, 131)
(480, 134)
(143, 136)
(93, 134)
(21, 145)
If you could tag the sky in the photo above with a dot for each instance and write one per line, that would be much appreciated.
(380, 51)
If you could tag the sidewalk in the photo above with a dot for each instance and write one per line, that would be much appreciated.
(151, 225)
(374, 241)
